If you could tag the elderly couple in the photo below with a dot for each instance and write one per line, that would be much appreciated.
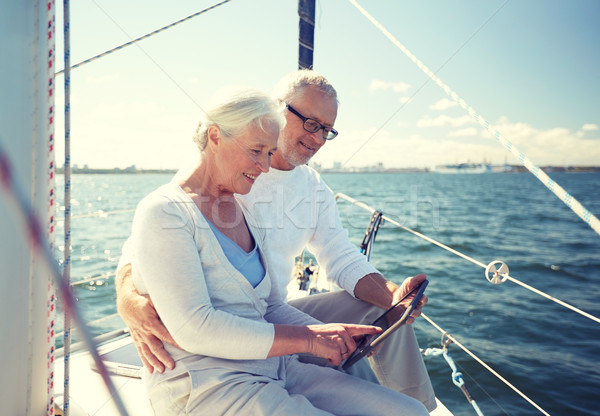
(202, 280)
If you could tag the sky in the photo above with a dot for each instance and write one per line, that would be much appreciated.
(530, 68)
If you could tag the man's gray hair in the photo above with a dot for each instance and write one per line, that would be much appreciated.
(293, 85)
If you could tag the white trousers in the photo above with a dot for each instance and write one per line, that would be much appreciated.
(302, 390)
(398, 364)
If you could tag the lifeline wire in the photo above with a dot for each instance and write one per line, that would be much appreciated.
(464, 256)
(563, 195)
(487, 367)
(143, 37)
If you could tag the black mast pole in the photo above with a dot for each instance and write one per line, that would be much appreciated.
(306, 36)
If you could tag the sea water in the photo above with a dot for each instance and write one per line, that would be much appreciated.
(548, 352)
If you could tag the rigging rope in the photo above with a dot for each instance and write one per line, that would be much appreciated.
(51, 188)
(487, 367)
(40, 244)
(457, 377)
(101, 213)
(143, 37)
(563, 195)
(67, 202)
(464, 256)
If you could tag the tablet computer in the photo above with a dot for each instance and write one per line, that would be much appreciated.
(369, 342)
(120, 358)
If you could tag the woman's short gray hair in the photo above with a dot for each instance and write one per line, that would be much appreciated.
(235, 112)
(293, 85)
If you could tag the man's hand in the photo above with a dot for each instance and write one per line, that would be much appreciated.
(409, 284)
(147, 330)
(377, 290)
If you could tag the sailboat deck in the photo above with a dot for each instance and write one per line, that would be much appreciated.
(89, 395)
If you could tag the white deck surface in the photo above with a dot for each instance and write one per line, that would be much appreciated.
(89, 395)
(88, 392)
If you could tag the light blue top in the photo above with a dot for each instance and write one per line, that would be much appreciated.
(248, 264)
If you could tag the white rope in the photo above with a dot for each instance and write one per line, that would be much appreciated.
(97, 321)
(464, 256)
(563, 195)
(487, 367)
(67, 202)
(51, 188)
(93, 279)
(101, 213)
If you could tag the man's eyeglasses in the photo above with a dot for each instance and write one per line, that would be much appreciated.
(313, 126)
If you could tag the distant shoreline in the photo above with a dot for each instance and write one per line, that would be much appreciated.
(85, 171)
(511, 169)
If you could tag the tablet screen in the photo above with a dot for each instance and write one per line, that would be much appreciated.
(386, 324)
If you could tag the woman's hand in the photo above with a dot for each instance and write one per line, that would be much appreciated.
(335, 342)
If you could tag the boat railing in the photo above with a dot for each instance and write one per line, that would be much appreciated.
(494, 274)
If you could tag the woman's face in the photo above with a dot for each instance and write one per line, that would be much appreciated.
(241, 159)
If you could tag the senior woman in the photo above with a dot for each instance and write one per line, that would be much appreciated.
(204, 263)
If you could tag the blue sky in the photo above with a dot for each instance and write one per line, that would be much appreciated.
(531, 68)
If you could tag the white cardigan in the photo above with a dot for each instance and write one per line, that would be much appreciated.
(210, 309)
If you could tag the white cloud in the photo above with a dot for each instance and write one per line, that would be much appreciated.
(384, 85)
(443, 104)
(468, 132)
(589, 127)
(404, 100)
(444, 120)
(555, 146)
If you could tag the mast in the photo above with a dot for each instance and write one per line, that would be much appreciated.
(306, 36)
(26, 141)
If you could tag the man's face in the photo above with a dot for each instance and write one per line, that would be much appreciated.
(296, 145)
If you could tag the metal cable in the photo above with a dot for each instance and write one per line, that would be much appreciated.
(464, 256)
(563, 195)
(142, 37)
(487, 367)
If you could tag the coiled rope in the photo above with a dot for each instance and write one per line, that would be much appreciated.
(143, 37)
(563, 195)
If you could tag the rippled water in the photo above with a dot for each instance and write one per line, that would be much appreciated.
(543, 349)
